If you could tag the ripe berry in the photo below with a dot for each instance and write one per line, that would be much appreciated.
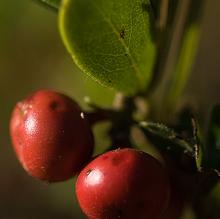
(123, 183)
(51, 138)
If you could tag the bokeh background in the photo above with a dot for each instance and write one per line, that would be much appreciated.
(32, 56)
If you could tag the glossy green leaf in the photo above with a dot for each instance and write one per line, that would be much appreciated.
(55, 4)
(112, 41)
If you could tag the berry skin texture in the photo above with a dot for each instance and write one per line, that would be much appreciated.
(51, 138)
(124, 183)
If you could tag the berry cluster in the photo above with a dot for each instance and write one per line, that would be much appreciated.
(54, 142)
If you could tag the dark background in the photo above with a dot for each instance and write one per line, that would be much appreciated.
(32, 56)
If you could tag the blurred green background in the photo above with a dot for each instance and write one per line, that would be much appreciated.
(32, 56)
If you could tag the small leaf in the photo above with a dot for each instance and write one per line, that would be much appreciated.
(189, 129)
(197, 143)
(183, 124)
(112, 41)
(213, 140)
(51, 3)
(170, 143)
(167, 139)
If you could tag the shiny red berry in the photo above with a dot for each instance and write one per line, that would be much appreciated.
(123, 183)
(50, 136)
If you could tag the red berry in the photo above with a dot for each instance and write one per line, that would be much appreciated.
(50, 136)
(123, 183)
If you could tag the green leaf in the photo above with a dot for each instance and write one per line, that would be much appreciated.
(197, 143)
(55, 4)
(189, 129)
(112, 41)
(186, 152)
(213, 140)
(166, 139)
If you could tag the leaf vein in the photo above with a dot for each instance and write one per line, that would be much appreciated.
(127, 50)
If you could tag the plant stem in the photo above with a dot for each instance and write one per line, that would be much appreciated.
(167, 71)
(122, 122)
(162, 23)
